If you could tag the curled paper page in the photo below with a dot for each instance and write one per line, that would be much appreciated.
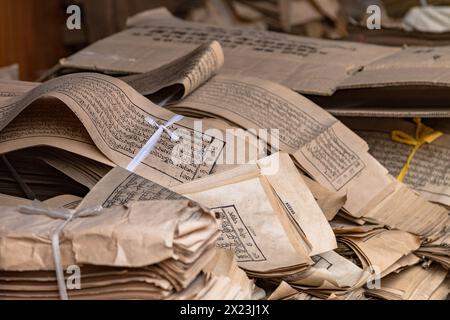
(183, 75)
(101, 104)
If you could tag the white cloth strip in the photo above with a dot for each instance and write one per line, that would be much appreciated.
(151, 143)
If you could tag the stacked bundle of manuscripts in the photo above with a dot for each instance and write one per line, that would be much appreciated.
(208, 163)
(123, 254)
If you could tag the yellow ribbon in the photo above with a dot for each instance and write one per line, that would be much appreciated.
(424, 134)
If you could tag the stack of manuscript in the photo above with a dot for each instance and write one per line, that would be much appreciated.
(152, 250)
(24, 176)
(43, 172)
(387, 250)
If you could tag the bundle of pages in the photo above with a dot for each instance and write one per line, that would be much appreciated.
(145, 250)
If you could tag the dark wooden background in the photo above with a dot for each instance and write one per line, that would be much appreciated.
(31, 34)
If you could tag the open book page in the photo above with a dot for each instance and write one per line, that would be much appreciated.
(292, 196)
(120, 186)
(113, 114)
(303, 64)
(252, 228)
(258, 104)
(428, 172)
(334, 160)
(326, 149)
